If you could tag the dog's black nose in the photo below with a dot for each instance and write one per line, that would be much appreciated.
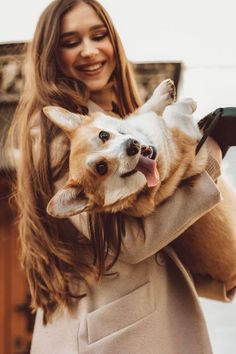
(132, 147)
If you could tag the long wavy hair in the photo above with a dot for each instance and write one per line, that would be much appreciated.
(55, 256)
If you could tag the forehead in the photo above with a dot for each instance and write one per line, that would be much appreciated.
(80, 17)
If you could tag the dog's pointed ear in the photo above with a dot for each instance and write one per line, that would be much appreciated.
(63, 118)
(68, 201)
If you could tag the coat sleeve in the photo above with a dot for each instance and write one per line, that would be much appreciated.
(168, 221)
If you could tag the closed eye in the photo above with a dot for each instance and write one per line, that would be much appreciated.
(100, 37)
(73, 42)
(70, 44)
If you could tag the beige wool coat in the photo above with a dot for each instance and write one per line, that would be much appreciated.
(150, 304)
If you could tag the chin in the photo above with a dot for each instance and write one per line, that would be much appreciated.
(97, 84)
(96, 87)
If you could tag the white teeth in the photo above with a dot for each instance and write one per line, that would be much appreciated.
(92, 67)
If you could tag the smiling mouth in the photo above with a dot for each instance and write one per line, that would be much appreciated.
(91, 68)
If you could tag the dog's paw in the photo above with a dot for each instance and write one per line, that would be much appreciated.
(167, 90)
(163, 96)
(189, 104)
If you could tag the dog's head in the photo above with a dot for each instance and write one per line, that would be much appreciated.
(108, 164)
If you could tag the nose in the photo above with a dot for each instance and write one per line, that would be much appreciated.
(132, 147)
(88, 49)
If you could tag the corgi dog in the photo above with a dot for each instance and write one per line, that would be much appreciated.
(133, 165)
(130, 165)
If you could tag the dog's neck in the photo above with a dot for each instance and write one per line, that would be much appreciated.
(105, 98)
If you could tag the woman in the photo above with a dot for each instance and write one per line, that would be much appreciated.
(99, 287)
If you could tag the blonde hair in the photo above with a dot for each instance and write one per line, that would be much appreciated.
(54, 255)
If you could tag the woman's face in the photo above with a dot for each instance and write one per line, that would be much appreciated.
(85, 50)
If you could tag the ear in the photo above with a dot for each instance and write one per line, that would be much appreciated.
(68, 201)
(64, 119)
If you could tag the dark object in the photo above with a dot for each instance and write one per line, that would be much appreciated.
(221, 126)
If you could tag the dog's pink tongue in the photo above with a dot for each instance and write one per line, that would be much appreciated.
(149, 169)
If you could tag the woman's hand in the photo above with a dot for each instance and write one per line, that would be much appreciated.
(231, 284)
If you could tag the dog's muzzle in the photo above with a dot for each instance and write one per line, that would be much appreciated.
(132, 147)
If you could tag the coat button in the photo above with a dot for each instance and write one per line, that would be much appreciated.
(160, 258)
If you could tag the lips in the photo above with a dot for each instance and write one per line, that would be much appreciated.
(91, 68)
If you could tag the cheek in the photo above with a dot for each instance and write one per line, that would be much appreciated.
(65, 59)
(109, 51)
(112, 60)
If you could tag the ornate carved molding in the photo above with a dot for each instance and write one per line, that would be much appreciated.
(11, 71)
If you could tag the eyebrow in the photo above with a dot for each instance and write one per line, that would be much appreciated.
(72, 33)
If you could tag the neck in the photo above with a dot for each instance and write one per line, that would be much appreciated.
(105, 97)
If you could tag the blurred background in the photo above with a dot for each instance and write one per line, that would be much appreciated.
(191, 42)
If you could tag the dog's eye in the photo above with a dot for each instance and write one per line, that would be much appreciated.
(104, 136)
(101, 168)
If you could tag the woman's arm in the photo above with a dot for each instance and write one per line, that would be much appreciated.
(172, 217)
(169, 220)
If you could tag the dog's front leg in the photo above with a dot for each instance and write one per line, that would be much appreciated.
(163, 95)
